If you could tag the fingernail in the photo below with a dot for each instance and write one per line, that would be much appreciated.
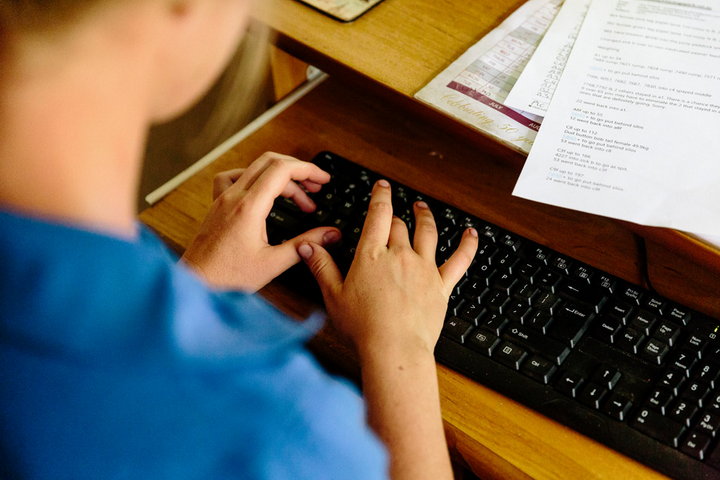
(383, 183)
(305, 251)
(331, 237)
(473, 232)
(421, 205)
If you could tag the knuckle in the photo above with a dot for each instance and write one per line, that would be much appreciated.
(380, 206)
(425, 226)
(276, 162)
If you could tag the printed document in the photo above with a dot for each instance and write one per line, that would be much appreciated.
(537, 83)
(473, 88)
(633, 131)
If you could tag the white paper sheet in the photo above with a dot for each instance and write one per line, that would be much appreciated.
(473, 88)
(538, 81)
(633, 131)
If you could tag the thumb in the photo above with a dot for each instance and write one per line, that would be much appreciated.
(322, 266)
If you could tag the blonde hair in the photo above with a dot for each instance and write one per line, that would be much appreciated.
(34, 15)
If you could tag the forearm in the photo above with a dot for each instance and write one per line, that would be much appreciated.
(401, 390)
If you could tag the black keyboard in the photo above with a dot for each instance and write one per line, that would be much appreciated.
(610, 359)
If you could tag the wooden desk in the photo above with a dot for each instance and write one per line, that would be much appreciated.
(400, 46)
(495, 436)
(368, 115)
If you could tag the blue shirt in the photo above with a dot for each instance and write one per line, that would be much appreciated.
(117, 363)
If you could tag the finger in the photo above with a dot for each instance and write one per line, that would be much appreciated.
(277, 162)
(376, 231)
(281, 257)
(458, 263)
(275, 178)
(399, 236)
(296, 194)
(312, 186)
(224, 180)
(255, 169)
(323, 268)
(426, 236)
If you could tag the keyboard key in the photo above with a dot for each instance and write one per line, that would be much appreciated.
(483, 341)
(630, 340)
(605, 282)
(696, 392)
(617, 406)
(484, 274)
(561, 264)
(517, 310)
(539, 253)
(607, 329)
(606, 376)
(592, 395)
(494, 322)
(539, 368)
(485, 253)
(569, 383)
(696, 445)
(582, 292)
(659, 399)
(683, 411)
(620, 310)
(655, 351)
(654, 304)
(658, 427)
(526, 292)
(472, 313)
(506, 261)
(457, 329)
(571, 323)
(527, 270)
(536, 342)
(539, 320)
(546, 301)
(505, 282)
(584, 273)
(684, 360)
(455, 304)
(643, 321)
(548, 279)
(510, 241)
(496, 300)
(667, 332)
(510, 355)
(680, 315)
(631, 294)
(708, 373)
(672, 380)
(709, 424)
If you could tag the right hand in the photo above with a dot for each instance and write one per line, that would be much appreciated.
(394, 298)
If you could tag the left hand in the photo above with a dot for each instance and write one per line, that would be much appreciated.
(231, 251)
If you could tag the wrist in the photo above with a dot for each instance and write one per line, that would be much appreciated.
(403, 350)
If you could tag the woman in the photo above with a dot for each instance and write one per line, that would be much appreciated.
(118, 363)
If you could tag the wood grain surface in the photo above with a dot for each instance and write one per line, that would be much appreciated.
(496, 437)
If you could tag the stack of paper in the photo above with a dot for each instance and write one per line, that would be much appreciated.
(630, 95)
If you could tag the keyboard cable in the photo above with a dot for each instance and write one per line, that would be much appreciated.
(643, 262)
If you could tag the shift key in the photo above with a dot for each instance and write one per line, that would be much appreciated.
(536, 342)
